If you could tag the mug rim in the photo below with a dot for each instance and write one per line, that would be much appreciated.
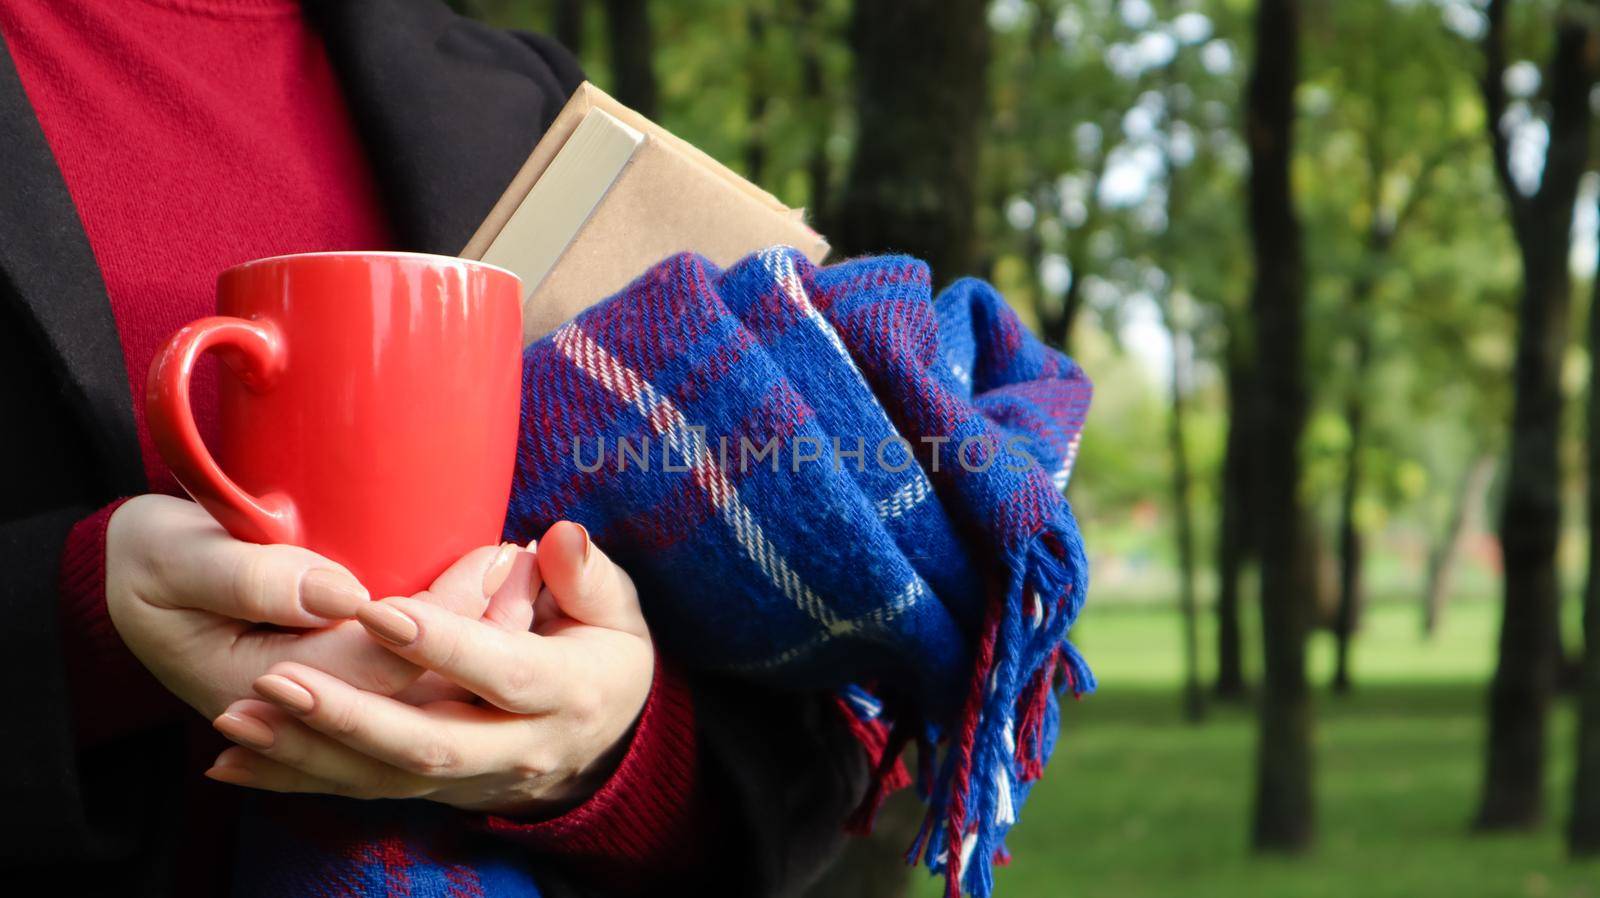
(368, 253)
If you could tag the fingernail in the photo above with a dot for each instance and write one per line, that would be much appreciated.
(499, 570)
(588, 544)
(234, 775)
(286, 692)
(388, 623)
(245, 730)
(331, 594)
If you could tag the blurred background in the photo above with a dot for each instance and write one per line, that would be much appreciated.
(1330, 264)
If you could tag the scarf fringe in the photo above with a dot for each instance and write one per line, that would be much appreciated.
(884, 744)
(1007, 729)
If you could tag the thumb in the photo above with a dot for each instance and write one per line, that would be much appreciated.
(466, 586)
(586, 585)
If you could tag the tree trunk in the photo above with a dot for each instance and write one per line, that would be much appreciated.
(1530, 522)
(819, 111)
(632, 42)
(1056, 325)
(568, 25)
(1284, 811)
(1235, 535)
(1054, 329)
(1529, 655)
(1468, 496)
(1194, 706)
(1071, 303)
(755, 146)
(1175, 320)
(1350, 548)
(1583, 829)
(1378, 239)
(920, 104)
(1347, 611)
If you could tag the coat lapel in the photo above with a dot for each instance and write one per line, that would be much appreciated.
(48, 270)
(448, 108)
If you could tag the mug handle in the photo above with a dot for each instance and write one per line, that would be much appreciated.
(254, 350)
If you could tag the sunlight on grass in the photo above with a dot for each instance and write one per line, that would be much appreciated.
(1138, 804)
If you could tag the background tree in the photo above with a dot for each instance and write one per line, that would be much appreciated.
(760, 91)
(1381, 163)
(631, 40)
(913, 177)
(1213, 230)
(817, 106)
(1583, 827)
(1061, 119)
(1235, 533)
(568, 25)
(1174, 304)
(1530, 522)
(1188, 164)
(1284, 812)
(1194, 707)
(1464, 500)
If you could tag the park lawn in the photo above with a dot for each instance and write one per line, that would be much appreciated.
(1138, 804)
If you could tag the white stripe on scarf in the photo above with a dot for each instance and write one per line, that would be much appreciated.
(670, 424)
(779, 262)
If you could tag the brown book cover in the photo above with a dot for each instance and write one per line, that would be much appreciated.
(624, 196)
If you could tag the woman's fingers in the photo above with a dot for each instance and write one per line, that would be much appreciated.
(245, 767)
(586, 585)
(200, 567)
(274, 734)
(345, 650)
(511, 607)
(445, 740)
(516, 671)
(431, 688)
(465, 587)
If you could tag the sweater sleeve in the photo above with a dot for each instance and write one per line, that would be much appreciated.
(650, 819)
(111, 693)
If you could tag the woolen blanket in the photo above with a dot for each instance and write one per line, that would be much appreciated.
(824, 479)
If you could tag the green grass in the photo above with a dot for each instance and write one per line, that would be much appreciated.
(1138, 804)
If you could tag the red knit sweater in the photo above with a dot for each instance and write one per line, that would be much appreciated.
(194, 135)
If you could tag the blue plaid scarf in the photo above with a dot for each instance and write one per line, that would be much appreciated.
(824, 479)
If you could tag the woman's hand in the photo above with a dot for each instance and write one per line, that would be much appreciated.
(188, 600)
(557, 704)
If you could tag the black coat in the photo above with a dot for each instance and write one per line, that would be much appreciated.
(448, 109)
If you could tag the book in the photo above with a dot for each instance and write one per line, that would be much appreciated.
(606, 194)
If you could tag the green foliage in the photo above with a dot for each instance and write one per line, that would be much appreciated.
(708, 66)
(1397, 191)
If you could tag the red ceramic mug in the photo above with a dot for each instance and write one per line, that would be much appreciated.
(371, 415)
